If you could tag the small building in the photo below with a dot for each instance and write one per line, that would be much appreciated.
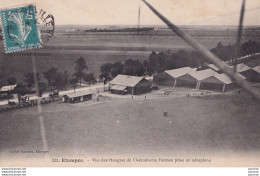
(249, 73)
(180, 77)
(77, 97)
(7, 88)
(26, 99)
(33, 100)
(125, 84)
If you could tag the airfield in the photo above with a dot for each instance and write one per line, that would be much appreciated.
(224, 125)
(153, 124)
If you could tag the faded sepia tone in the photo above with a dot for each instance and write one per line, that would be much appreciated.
(167, 126)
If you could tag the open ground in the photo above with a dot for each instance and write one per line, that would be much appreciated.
(225, 123)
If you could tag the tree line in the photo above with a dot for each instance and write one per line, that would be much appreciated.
(156, 62)
(54, 79)
(166, 60)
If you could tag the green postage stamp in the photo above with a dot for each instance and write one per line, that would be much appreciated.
(20, 28)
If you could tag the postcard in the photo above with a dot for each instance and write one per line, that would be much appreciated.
(119, 83)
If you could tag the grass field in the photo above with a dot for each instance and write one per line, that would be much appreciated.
(226, 124)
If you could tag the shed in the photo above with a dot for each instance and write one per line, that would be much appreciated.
(33, 100)
(123, 84)
(8, 88)
(77, 97)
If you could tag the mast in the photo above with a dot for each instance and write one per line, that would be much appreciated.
(138, 26)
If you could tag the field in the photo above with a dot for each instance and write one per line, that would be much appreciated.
(64, 49)
(224, 125)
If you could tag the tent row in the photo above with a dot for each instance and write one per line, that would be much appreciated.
(187, 77)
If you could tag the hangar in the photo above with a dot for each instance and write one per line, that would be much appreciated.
(125, 84)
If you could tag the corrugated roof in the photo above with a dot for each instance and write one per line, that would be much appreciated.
(214, 67)
(203, 74)
(126, 80)
(179, 72)
(257, 69)
(241, 67)
(78, 94)
(225, 78)
(117, 87)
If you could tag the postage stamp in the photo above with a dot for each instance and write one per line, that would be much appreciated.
(20, 28)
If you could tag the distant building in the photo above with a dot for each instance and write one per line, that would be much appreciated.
(218, 82)
(70, 30)
(202, 75)
(8, 88)
(180, 77)
(250, 74)
(257, 73)
(257, 69)
(207, 79)
(124, 84)
(77, 97)
(33, 100)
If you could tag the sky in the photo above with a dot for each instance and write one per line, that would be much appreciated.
(125, 12)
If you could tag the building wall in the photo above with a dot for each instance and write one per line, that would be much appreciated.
(211, 86)
(87, 97)
(142, 87)
(77, 99)
(211, 83)
(163, 79)
(186, 81)
(129, 90)
(212, 79)
(251, 75)
(119, 92)
(141, 90)
(231, 86)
